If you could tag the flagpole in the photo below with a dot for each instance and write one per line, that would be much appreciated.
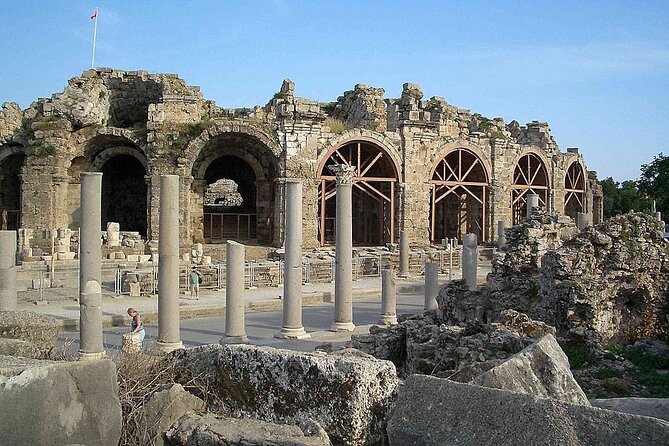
(95, 34)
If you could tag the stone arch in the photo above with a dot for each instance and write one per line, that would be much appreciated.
(530, 174)
(459, 194)
(246, 155)
(575, 180)
(375, 192)
(12, 161)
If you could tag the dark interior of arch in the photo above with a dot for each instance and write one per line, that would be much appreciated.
(10, 191)
(124, 193)
(127, 107)
(239, 171)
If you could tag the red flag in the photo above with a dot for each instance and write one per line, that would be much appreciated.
(94, 15)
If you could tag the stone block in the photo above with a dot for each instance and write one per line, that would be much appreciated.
(162, 409)
(45, 282)
(206, 260)
(348, 395)
(209, 430)
(55, 403)
(144, 258)
(648, 407)
(66, 255)
(542, 370)
(434, 412)
(119, 255)
(38, 329)
(134, 289)
(133, 258)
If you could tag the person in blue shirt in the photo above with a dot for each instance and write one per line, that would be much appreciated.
(136, 324)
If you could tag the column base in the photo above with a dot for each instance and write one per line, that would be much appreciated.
(234, 340)
(167, 347)
(342, 326)
(292, 333)
(388, 319)
(84, 356)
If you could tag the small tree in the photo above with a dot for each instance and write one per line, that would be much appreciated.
(654, 182)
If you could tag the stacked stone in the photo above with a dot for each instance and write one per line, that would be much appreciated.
(362, 107)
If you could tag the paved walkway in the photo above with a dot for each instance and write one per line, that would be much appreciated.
(210, 303)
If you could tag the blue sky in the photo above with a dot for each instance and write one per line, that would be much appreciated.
(596, 71)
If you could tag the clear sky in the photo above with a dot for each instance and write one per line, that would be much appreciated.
(596, 71)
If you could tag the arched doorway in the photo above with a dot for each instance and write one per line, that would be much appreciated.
(574, 190)
(124, 193)
(232, 193)
(458, 196)
(374, 193)
(230, 200)
(529, 177)
(10, 191)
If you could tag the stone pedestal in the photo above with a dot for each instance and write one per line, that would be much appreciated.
(235, 330)
(8, 297)
(292, 266)
(169, 337)
(581, 220)
(113, 234)
(404, 254)
(388, 298)
(90, 290)
(343, 318)
(501, 233)
(431, 285)
(532, 202)
(470, 259)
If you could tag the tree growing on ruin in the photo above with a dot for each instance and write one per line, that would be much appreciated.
(654, 182)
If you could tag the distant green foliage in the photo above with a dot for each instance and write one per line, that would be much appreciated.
(329, 108)
(280, 95)
(654, 182)
(579, 355)
(622, 198)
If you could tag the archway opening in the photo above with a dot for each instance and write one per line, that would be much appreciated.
(10, 191)
(574, 190)
(458, 196)
(230, 210)
(529, 177)
(124, 193)
(373, 194)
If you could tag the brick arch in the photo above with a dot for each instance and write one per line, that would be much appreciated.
(362, 135)
(105, 135)
(198, 144)
(446, 149)
(523, 182)
(7, 150)
(574, 196)
(541, 155)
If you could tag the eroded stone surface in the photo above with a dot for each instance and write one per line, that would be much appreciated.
(349, 396)
(39, 330)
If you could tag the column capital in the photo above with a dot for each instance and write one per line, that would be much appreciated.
(343, 173)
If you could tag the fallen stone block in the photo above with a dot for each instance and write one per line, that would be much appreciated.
(349, 396)
(50, 403)
(162, 409)
(37, 329)
(19, 347)
(434, 412)
(648, 407)
(209, 430)
(542, 370)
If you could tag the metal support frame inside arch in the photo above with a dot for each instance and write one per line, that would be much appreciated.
(529, 176)
(574, 190)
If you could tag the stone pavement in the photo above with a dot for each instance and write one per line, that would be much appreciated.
(211, 302)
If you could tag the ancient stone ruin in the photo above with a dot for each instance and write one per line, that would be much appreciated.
(423, 166)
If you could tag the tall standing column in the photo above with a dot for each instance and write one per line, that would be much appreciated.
(404, 254)
(292, 266)
(388, 298)
(235, 330)
(431, 285)
(343, 318)
(532, 202)
(90, 256)
(470, 259)
(501, 233)
(8, 271)
(168, 265)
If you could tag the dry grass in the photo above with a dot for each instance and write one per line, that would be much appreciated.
(336, 125)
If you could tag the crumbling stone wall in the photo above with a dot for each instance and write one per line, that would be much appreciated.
(170, 128)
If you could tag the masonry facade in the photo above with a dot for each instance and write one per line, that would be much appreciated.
(422, 166)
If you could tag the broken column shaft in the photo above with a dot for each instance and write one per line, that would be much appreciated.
(532, 202)
(292, 276)
(501, 233)
(90, 289)
(168, 265)
(388, 298)
(235, 330)
(8, 298)
(470, 258)
(431, 286)
(343, 318)
(404, 254)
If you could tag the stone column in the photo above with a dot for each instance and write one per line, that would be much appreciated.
(501, 233)
(470, 259)
(168, 265)
(388, 298)
(90, 246)
(404, 254)
(343, 318)
(292, 266)
(582, 220)
(431, 285)
(235, 331)
(658, 216)
(532, 202)
(8, 271)
(653, 208)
